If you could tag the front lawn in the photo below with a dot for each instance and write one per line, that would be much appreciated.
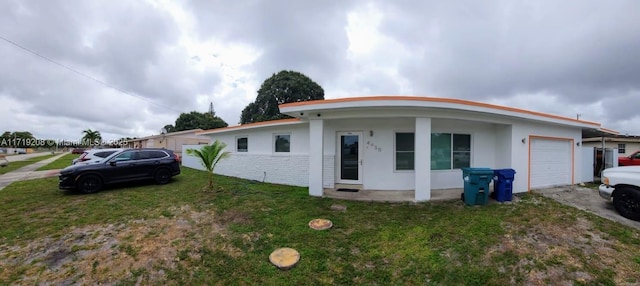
(19, 164)
(60, 163)
(177, 234)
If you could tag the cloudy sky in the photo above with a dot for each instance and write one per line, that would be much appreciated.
(127, 68)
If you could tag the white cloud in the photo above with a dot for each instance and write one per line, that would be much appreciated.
(563, 58)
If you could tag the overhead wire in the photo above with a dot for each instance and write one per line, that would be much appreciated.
(85, 74)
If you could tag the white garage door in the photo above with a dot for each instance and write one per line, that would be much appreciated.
(550, 163)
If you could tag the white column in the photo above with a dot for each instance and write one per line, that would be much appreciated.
(316, 152)
(423, 159)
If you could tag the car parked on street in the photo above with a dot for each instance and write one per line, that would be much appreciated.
(631, 160)
(94, 155)
(622, 185)
(77, 150)
(126, 165)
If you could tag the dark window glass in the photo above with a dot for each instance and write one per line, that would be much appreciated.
(243, 144)
(283, 143)
(104, 154)
(125, 156)
(405, 151)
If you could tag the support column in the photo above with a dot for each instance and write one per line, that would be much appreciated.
(422, 164)
(316, 155)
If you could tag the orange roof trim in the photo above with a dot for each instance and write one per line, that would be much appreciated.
(609, 130)
(434, 99)
(249, 125)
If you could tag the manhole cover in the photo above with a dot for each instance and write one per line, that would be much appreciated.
(284, 258)
(320, 224)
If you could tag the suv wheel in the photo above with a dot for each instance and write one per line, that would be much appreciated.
(627, 202)
(162, 176)
(90, 184)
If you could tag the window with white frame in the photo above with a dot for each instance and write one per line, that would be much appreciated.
(405, 151)
(450, 151)
(282, 143)
(622, 148)
(242, 144)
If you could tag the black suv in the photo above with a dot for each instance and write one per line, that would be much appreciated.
(122, 166)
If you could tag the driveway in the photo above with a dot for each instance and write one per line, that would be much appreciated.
(28, 172)
(586, 199)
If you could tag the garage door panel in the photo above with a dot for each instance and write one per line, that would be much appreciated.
(550, 163)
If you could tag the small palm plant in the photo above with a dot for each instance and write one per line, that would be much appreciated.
(209, 156)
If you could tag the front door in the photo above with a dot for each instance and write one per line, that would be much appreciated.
(349, 151)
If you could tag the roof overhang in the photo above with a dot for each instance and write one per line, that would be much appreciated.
(598, 132)
(411, 105)
(280, 122)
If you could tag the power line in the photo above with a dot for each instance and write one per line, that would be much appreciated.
(84, 74)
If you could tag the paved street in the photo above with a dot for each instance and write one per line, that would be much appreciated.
(22, 157)
(28, 172)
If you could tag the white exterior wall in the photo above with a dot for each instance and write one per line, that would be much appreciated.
(378, 152)
(520, 158)
(261, 163)
(496, 142)
(483, 149)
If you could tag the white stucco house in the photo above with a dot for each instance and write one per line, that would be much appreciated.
(402, 143)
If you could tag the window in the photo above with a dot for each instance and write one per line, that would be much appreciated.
(126, 156)
(283, 143)
(405, 151)
(242, 144)
(143, 155)
(450, 151)
(622, 148)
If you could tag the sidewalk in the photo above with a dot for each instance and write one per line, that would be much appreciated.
(29, 172)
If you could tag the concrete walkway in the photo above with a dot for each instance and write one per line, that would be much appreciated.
(29, 172)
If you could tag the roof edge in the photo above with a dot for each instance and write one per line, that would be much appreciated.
(435, 99)
(277, 122)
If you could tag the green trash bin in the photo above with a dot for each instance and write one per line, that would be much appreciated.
(476, 185)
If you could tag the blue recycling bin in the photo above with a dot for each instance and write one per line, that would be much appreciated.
(476, 185)
(503, 184)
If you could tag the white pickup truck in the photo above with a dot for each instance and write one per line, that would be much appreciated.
(622, 184)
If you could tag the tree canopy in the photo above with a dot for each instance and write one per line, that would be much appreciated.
(283, 87)
(195, 120)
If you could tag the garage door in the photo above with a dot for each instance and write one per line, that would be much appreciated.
(550, 162)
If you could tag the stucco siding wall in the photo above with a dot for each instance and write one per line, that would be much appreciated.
(520, 160)
(378, 151)
(261, 163)
(483, 149)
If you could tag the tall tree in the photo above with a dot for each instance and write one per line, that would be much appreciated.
(19, 139)
(209, 156)
(195, 120)
(91, 137)
(168, 128)
(283, 87)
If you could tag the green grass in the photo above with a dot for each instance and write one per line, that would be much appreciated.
(59, 163)
(226, 237)
(19, 164)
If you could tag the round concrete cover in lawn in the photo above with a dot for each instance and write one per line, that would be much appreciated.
(320, 224)
(284, 258)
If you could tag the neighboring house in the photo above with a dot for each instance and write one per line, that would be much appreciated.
(172, 141)
(402, 143)
(625, 145)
